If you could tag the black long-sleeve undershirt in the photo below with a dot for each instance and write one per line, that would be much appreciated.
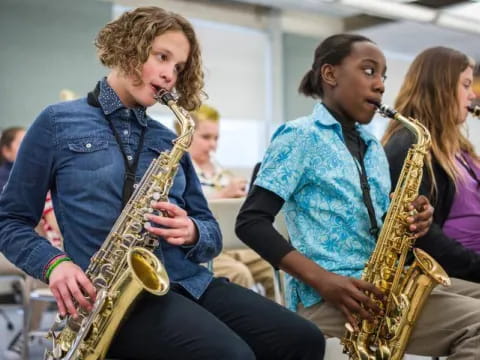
(254, 225)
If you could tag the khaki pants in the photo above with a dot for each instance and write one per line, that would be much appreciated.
(449, 324)
(245, 268)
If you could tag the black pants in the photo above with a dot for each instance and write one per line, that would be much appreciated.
(227, 323)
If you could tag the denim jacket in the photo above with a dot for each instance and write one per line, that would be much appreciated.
(71, 149)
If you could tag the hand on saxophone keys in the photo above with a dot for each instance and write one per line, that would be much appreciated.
(70, 285)
(176, 228)
(422, 216)
(353, 297)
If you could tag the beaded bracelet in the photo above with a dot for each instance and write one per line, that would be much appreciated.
(55, 264)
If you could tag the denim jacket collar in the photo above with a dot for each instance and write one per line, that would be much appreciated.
(110, 102)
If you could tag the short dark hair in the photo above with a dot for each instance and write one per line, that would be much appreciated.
(331, 51)
(6, 139)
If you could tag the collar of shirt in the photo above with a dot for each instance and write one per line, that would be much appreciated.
(110, 102)
(325, 118)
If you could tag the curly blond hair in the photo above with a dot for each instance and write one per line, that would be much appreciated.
(126, 43)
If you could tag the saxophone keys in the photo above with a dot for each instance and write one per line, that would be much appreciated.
(136, 227)
(156, 196)
(57, 352)
(145, 217)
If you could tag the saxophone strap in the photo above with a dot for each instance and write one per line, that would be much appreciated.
(130, 167)
(357, 148)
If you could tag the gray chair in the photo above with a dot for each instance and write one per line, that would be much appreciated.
(9, 272)
(226, 211)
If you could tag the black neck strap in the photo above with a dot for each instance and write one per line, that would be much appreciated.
(367, 198)
(358, 156)
(130, 167)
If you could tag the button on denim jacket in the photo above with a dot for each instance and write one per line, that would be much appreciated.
(70, 149)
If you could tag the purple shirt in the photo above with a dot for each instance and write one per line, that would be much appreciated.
(463, 222)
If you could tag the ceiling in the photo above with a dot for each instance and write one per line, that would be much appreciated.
(400, 26)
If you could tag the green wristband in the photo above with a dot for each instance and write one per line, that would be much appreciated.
(55, 264)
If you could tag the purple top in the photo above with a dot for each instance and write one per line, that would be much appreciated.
(463, 222)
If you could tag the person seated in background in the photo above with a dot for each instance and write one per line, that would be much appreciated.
(9, 143)
(49, 223)
(437, 91)
(241, 266)
(217, 182)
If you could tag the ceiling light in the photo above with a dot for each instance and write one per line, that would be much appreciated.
(393, 9)
(456, 22)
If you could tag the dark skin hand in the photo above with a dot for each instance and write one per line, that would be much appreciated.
(348, 294)
(420, 222)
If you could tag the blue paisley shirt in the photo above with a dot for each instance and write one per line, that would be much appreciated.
(308, 165)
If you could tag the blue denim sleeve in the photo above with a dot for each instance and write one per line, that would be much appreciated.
(23, 199)
(209, 242)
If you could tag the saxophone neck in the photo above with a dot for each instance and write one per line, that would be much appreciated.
(185, 121)
(413, 125)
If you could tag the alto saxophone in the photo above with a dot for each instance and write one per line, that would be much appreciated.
(125, 264)
(406, 288)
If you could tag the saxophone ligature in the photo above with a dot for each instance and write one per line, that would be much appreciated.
(125, 264)
(405, 287)
(474, 110)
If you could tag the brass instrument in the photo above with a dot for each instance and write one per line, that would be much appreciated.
(223, 177)
(475, 110)
(125, 264)
(406, 288)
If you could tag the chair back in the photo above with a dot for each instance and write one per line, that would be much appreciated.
(226, 211)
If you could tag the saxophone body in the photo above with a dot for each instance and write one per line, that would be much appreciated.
(406, 288)
(125, 265)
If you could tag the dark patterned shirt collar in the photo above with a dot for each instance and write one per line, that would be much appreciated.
(110, 102)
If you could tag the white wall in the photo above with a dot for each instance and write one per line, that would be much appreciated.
(46, 46)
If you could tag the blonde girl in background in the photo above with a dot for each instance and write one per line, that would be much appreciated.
(241, 266)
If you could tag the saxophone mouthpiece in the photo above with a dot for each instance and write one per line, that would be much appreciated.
(385, 110)
(475, 110)
(164, 96)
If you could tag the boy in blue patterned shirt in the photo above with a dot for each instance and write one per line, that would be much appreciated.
(332, 179)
